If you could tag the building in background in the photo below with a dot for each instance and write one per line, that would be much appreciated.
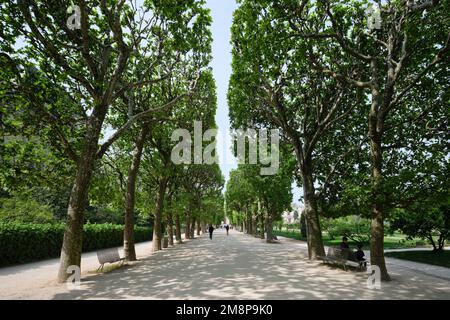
(293, 215)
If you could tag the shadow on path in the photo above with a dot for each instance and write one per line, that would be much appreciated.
(242, 267)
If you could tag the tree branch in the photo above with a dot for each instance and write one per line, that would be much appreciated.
(438, 58)
(144, 114)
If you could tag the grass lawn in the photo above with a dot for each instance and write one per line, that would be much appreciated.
(289, 234)
(426, 256)
(396, 241)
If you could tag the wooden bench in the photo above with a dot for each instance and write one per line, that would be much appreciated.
(108, 256)
(343, 257)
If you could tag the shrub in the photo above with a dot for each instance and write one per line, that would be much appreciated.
(21, 243)
(94, 214)
(24, 211)
(426, 222)
(353, 227)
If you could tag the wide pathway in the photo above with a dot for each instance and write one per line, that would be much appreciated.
(238, 266)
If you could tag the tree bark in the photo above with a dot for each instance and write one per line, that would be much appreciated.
(192, 229)
(377, 225)
(199, 227)
(376, 211)
(204, 227)
(269, 227)
(170, 227)
(430, 238)
(314, 233)
(262, 224)
(178, 229)
(303, 226)
(72, 241)
(187, 233)
(157, 229)
(128, 233)
(441, 242)
(249, 222)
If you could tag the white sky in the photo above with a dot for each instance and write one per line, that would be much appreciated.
(222, 14)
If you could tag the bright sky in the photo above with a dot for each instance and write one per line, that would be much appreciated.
(222, 14)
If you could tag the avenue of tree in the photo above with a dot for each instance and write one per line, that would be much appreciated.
(363, 105)
(102, 100)
(87, 115)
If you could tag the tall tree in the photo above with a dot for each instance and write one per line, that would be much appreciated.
(398, 50)
(89, 63)
(273, 85)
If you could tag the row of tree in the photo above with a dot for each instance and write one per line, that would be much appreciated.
(254, 202)
(363, 105)
(93, 98)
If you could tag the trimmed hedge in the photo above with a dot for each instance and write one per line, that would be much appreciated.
(23, 242)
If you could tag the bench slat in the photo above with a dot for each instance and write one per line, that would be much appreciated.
(108, 256)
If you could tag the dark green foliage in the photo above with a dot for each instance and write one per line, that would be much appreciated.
(437, 258)
(426, 220)
(21, 243)
(355, 228)
(100, 215)
(24, 211)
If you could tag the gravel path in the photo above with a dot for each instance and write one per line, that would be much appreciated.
(237, 266)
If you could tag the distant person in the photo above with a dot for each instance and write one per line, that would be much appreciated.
(344, 243)
(228, 228)
(359, 254)
(210, 229)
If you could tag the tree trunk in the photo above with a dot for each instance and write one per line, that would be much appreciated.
(199, 227)
(377, 228)
(303, 225)
(72, 241)
(192, 229)
(170, 227)
(157, 229)
(262, 224)
(314, 233)
(187, 233)
(430, 238)
(178, 229)
(376, 211)
(441, 242)
(269, 227)
(204, 227)
(128, 233)
(249, 223)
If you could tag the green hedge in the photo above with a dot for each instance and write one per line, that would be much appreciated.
(21, 243)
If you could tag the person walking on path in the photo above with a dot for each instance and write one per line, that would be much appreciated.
(228, 228)
(210, 229)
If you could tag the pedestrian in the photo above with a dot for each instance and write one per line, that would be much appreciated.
(344, 243)
(345, 248)
(228, 228)
(360, 256)
(210, 229)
